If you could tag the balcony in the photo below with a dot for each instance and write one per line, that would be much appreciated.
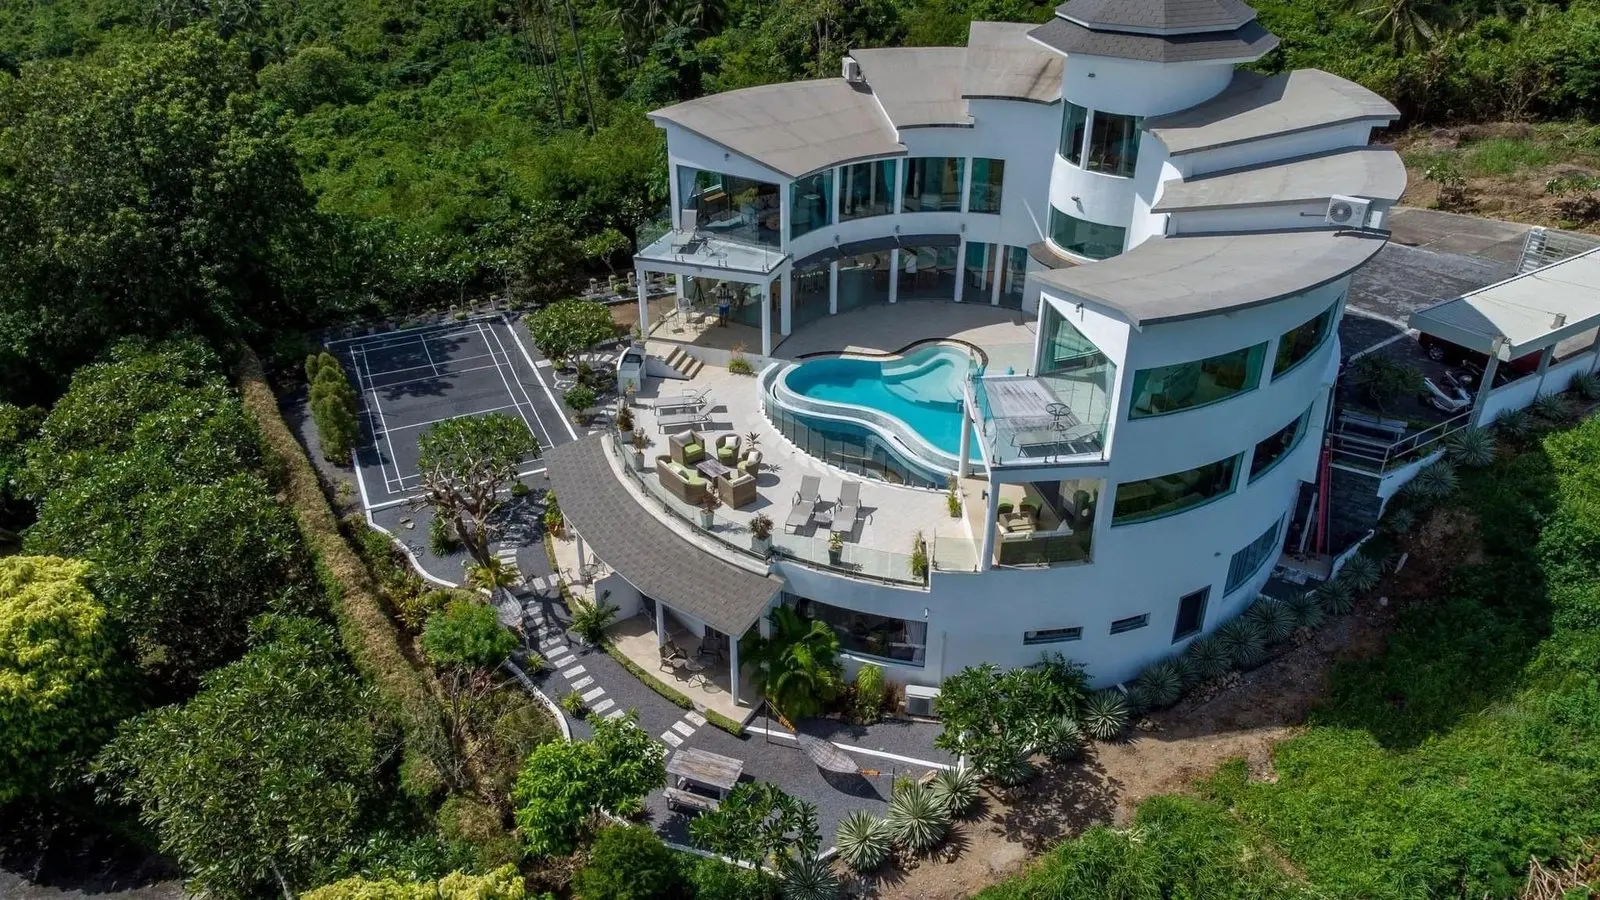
(1033, 419)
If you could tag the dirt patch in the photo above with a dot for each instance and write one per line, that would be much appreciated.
(1446, 541)
(1244, 716)
(1517, 195)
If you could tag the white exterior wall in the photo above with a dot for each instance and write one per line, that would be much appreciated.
(1135, 88)
(1273, 149)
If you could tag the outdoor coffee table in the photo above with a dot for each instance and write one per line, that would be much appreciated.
(711, 771)
(712, 469)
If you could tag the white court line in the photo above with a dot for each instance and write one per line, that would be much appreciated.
(549, 441)
(461, 416)
(852, 748)
(423, 340)
(384, 424)
(376, 386)
(396, 371)
(513, 394)
(534, 366)
(437, 325)
(417, 477)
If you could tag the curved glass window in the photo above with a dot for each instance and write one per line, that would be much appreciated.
(730, 207)
(1114, 144)
(811, 203)
(1074, 125)
(1167, 389)
(1301, 341)
(933, 184)
(1153, 498)
(1090, 239)
(1278, 445)
(866, 189)
(1249, 560)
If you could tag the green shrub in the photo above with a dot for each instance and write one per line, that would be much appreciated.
(869, 691)
(713, 879)
(1336, 597)
(572, 705)
(957, 789)
(1105, 715)
(808, 878)
(1014, 771)
(628, 862)
(739, 365)
(472, 824)
(1553, 408)
(1586, 385)
(579, 399)
(467, 634)
(442, 538)
(1208, 658)
(1060, 738)
(863, 840)
(1516, 424)
(518, 489)
(1243, 640)
(1361, 573)
(916, 819)
(1434, 483)
(1399, 521)
(590, 621)
(1275, 620)
(1161, 683)
(1307, 609)
(1471, 447)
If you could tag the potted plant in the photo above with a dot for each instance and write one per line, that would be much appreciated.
(708, 509)
(761, 534)
(919, 557)
(640, 442)
(624, 419)
(952, 498)
(835, 547)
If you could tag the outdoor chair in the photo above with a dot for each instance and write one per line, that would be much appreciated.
(737, 489)
(805, 502)
(848, 507)
(671, 655)
(686, 447)
(727, 449)
(751, 463)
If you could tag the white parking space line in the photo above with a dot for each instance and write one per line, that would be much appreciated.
(384, 424)
(501, 369)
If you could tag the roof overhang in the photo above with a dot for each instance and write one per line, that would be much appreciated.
(1523, 314)
(647, 552)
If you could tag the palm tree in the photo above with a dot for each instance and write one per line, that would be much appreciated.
(1407, 23)
(798, 667)
(492, 575)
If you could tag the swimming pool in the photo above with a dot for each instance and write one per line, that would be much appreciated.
(915, 398)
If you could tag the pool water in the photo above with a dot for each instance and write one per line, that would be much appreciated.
(923, 389)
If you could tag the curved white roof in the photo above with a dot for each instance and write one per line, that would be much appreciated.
(919, 87)
(1169, 279)
(1255, 106)
(1374, 172)
(1002, 63)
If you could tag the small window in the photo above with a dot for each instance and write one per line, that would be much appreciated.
(1052, 635)
(1130, 623)
(1191, 614)
(1074, 125)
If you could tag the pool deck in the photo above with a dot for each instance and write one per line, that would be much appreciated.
(891, 514)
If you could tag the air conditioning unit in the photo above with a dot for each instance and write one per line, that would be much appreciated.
(1347, 212)
(922, 701)
(852, 71)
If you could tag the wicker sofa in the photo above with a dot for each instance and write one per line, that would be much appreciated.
(685, 483)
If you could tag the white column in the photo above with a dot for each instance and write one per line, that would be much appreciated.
(733, 667)
(999, 271)
(966, 184)
(961, 267)
(785, 192)
(894, 275)
(833, 293)
(644, 308)
(766, 318)
(661, 623)
(964, 465)
(986, 561)
(1485, 385)
(786, 303)
(579, 538)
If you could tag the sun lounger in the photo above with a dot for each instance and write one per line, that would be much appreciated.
(680, 419)
(692, 400)
(848, 507)
(805, 502)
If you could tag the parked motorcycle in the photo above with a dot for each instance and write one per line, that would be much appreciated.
(1449, 394)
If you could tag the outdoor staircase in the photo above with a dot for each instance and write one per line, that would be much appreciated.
(679, 364)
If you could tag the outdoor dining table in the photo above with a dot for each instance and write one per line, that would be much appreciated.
(709, 770)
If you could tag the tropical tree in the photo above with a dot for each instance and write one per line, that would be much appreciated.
(494, 575)
(993, 718)
(564, 783)
(62, 684)
(466, 464)
(566, 328)
(18, 424)
(628, 862)
(264, 775)
(333, 406)
(758, 824)
(1407, 24)
(797, 668)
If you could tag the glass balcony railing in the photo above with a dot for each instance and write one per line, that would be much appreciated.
(853, 559)
(1029, 418)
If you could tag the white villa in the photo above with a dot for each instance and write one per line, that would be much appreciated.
(1087, 272)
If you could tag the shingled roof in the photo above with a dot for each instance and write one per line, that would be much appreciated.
(1158, 16)
(644, 550)
(1251, 41)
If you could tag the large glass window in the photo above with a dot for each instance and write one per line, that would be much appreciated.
(1301, 341)
(743, 300)
(1191, 614)
(810, 203)
(1248, 561)
(729, 207)
(1074, 123)
(1014, 277)
(1152, 498)
(988, 179)
(810, 295)
(927, 273)
(933, 184)
(1090, 239)
(1045, 522)
(898, 640)
(1166, 389)
(1113, 144)
(864, 280)
(866, 189)
(979, 265)
(1276, 447)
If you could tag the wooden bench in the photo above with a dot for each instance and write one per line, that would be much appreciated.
(680, 799)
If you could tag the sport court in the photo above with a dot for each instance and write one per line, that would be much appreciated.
(411, 379)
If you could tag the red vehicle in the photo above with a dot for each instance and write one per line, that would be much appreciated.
(1453, 354)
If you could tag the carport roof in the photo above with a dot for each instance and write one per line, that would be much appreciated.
(1531, 311)
(648, 553)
